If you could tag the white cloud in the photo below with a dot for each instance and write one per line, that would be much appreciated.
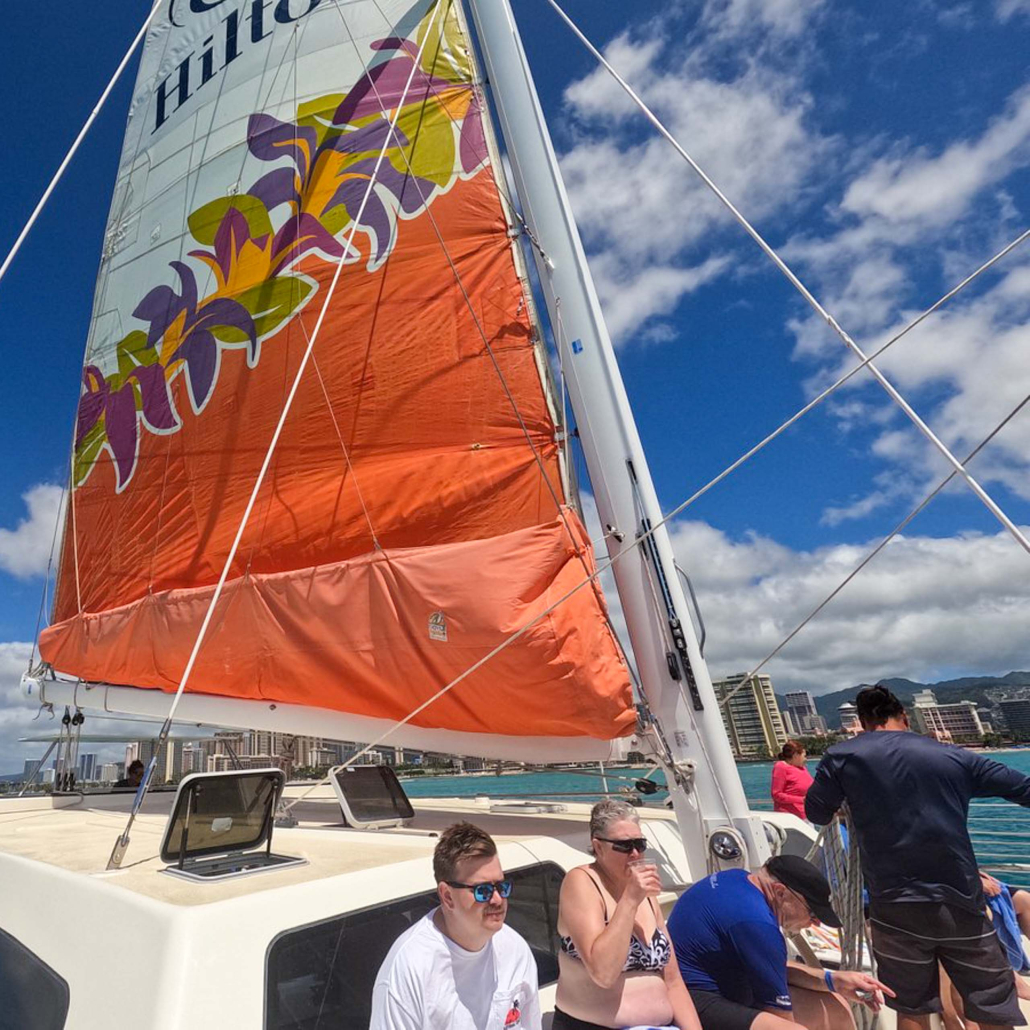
(651, 226)
(1006, 9)
(25, 550)
(915, 185)
(17, 712)
(18, 718)
(918, 214)
(924, 606)
(777, 18)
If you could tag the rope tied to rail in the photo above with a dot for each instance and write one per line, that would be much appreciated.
(836, 851)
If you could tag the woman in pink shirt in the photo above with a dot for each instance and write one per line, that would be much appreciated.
(790, 780)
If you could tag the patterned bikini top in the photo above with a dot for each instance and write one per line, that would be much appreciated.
(642, 958)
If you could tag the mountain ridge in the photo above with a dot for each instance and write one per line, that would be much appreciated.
(964, 688)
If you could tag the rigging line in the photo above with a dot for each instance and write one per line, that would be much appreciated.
(468, 301)
(635, 545)
(314, 360)
(46, 580)
(638, 542)
(876, 550)
(304, 329)
(819, 398)
(78, 140)
(346, 455)
(605, 565)
(992, 506)
(123, 840)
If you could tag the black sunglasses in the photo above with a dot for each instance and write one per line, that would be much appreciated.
(483, 892)
(628, 844)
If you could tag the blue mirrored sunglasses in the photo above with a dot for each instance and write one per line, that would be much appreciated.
(483, 892)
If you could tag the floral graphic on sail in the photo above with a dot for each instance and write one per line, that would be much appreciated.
(250, 245)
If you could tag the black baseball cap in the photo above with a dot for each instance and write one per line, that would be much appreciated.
(805, 879)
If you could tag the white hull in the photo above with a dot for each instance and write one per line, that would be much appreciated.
(140, 948)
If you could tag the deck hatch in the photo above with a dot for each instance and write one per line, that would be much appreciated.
(371, 796)
(220, 821)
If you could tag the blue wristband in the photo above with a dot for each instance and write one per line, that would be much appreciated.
(828, 977)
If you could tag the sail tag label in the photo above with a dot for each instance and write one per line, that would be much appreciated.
(577, 346)
(438, 627)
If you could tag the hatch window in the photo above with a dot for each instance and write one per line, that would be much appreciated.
(34, 996)
(321, 976)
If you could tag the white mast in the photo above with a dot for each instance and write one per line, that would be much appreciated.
(704, 783)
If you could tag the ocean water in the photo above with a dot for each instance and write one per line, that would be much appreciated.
(1000, 830)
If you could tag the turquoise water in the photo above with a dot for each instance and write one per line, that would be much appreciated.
(990, 819)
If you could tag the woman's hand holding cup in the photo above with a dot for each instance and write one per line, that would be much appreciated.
(642, 879)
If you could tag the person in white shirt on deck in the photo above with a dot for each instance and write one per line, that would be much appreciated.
(460, 967)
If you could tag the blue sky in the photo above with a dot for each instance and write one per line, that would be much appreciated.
(883, 148)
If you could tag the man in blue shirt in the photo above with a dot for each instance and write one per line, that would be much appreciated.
(726, 931)
(909, 799)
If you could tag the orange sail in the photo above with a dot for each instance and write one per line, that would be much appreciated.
(414, 515)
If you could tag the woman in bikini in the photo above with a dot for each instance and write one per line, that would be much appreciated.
(617, 967)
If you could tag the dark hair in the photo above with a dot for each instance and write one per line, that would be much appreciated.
(133, 764)
(876, 705)
(458, 842)
(790, 750)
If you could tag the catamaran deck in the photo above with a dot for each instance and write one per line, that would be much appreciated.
(76, 834)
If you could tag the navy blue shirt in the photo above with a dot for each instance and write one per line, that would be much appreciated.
(909, 798)
(727, 940)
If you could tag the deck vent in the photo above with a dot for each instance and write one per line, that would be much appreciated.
(527, 807)
(220, 823)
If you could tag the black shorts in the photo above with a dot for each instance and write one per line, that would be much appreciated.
(910, 938)
(563, 1021)
(718, 1013)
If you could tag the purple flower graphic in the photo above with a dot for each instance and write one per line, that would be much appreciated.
(332, 172)
(198, 348)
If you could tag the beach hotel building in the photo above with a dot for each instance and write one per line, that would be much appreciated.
(751, 716)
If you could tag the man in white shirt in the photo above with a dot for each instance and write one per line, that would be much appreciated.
(460, 967)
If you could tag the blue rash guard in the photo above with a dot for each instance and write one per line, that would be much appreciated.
(909, 798)
(727, 940)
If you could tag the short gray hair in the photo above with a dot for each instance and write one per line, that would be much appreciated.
(609, 811)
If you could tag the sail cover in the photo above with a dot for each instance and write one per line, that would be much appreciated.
(414, 515)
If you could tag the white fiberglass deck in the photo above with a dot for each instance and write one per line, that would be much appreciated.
(76, 835)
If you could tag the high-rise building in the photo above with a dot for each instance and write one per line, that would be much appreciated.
(803, 713)
(751, 716)
(849, 718)
(31, 766)
(169, 761)
(953, 722)
(87, 768)
(110, 772)
(800, 702)
(1016, 713)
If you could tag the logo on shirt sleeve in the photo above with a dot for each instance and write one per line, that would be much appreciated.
(514, 1016)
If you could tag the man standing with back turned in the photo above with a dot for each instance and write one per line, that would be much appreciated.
(909, 799)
